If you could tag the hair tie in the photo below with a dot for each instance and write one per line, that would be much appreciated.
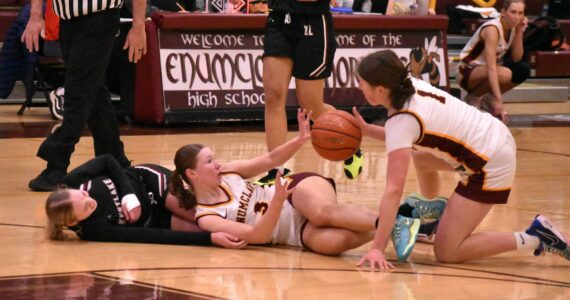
(185, 185)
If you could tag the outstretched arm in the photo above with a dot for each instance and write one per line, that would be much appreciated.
(257, 165)
(398, 163)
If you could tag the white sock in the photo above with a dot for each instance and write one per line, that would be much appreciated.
(526, 241)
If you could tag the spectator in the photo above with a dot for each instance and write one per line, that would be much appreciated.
(485, 69)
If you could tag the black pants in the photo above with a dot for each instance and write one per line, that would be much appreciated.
(86, 45)
(121, 74)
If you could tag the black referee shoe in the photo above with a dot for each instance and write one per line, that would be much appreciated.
(47, 181)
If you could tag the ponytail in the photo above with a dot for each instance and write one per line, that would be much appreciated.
(178, 186)
(59, 212)
(182, 191)
(402, 93)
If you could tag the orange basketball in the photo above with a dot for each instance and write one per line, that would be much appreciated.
(336, 135)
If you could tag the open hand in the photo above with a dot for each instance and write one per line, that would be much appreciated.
(375, 258)
(304, 118)
(31, 35)
(361, 122)
(135, 43)
(281, 185)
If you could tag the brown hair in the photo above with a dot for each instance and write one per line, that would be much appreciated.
(507, 3)
(59, 212)
(386, 69)
(178, 185)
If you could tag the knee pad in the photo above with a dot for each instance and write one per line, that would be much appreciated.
(520, 71)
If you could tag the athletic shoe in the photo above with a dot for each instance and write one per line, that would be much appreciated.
(424, 208)
(353, 165)
(47, 181)
(404, 236)
(426, 238)
(269, 179)
(551, 239)
(56, 103)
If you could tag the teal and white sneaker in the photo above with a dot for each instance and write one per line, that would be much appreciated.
(551, 239)
(404, 236)
(353, 165)
(424, 208)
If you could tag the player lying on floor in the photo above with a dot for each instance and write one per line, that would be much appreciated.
(299, 210)
(111, 204)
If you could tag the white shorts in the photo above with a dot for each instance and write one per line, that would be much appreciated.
(493, 184)
(290, 227)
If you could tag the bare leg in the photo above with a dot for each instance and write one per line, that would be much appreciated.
(333, 241)
(427, 168)
(276, 77)
(310, 96)
(315, 198)
(505, 83)
(455, 241)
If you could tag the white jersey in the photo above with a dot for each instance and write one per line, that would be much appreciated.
(246, 202)
(473, 52)
(434, 121)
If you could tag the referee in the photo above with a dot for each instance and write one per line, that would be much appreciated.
(87, 32)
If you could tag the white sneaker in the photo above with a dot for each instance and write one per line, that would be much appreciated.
(56, 103)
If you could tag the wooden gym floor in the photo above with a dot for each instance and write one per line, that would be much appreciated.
(36, 268)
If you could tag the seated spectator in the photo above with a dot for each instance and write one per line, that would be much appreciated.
(396, 7)
(411, 7)
(485, 70)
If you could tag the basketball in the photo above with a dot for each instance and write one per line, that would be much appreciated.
(336, 135)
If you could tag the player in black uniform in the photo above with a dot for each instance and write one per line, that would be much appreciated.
(112, 204)
(299, 42)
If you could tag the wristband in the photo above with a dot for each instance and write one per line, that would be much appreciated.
(130, 202)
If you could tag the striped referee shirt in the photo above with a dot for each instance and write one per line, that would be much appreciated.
(67, 9)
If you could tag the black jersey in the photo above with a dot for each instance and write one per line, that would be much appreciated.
(106, 182)
(300, 7)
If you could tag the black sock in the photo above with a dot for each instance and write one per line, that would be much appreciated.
(405, 210)
(429, 228)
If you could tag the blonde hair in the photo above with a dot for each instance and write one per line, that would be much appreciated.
(59, 211)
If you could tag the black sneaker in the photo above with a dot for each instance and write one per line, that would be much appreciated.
(269, 179)
(47, 181)
(56, 103)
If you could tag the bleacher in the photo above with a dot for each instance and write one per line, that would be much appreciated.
(8, 11)
(550, 77)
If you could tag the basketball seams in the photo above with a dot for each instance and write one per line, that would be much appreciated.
(336, 135)
(337, 131)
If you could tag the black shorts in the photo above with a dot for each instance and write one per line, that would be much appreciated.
(309, 40)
